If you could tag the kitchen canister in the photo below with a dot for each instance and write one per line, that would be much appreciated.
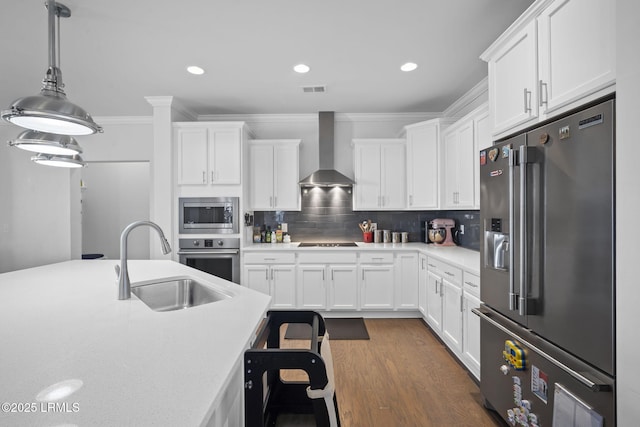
(377, 236)
(395, 237)
(386, 236)
(405, 237)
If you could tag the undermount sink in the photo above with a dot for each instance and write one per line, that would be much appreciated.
(177, 294)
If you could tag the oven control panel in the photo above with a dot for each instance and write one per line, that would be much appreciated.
(221, 243)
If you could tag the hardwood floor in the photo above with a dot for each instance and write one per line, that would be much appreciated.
(402, 376)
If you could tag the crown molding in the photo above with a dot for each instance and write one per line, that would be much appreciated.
(471, 95)
(173, 103)
(313, 117)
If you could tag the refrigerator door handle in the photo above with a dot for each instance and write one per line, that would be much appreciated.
(524, 268)
(513, 297)
(593, 386)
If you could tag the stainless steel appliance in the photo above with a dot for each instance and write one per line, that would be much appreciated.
(219, 257)
(211, 215)
(547, 272)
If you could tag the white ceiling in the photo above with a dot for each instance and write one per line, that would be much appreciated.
(116, 52)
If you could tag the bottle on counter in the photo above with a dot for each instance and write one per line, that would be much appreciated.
(263, 234)
(268, 235)
(279, 234)
(273, 237)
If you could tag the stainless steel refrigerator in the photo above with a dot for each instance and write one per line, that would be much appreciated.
(547, 272)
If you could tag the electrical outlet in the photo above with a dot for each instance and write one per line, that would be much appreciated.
(461, 228)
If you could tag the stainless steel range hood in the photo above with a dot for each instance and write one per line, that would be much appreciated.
(326, 175)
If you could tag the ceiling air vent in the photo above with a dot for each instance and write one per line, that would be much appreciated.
(314, 89)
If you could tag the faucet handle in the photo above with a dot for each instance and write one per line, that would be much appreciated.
(117, 268)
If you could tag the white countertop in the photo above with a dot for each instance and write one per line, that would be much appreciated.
(138, 366)
(466, 259)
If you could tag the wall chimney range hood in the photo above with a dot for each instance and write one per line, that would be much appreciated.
(326, 175)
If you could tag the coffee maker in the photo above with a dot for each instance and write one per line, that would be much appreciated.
(440, 231)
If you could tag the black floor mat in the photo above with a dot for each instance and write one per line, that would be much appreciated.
(339, 329)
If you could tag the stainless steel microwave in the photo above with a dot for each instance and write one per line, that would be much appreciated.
(211, 215)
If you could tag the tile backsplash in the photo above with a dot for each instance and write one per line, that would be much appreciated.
(327, 215)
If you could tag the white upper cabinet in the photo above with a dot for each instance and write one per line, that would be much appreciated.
(380, 175)
(460, 147)
(423, 148)
(274, 175)
(556, 56)
(513, 78)
(208, 153)
(576, 47)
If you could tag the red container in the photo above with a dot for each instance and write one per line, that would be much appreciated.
(367, 236)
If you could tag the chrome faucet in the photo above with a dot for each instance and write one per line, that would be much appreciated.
(124, 284)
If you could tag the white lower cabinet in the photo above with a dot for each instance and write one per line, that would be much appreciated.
(449, 296)
(452, 315)
(434, 301)
(327, 281)
(471, 334)
(343, 287)
(422, 285)
(312, 286)
(376, 286)
(406, 270)
(273, 275)
(376, 280)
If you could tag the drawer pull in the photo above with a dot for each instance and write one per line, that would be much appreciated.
(432, 266)
(449, 274)
(473, 285)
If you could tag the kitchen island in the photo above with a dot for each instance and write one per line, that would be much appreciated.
(62, 323)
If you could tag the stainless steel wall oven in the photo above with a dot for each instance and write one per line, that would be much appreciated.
(212, 215)
(219, 257)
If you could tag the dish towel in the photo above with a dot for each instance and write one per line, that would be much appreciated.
(328, 391)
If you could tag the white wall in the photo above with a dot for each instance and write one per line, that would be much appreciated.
(40, 205)
(35, 206)
(115, 195)
(627, 208)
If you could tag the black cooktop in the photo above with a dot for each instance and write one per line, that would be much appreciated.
(327, 245)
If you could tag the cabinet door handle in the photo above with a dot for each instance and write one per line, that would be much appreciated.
(204, 177)
(527, 101)
(213, 176)
(410, 200)
(270, 201)
(332, 275)
(382, 198)
(272, 274)
(266, 274)
(461, 309)
(323, 275)
(437, 287)
(543, 94)
(275, 201)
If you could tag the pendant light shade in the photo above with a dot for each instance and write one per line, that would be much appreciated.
(46, 143)
(50, 111)
(60, 161)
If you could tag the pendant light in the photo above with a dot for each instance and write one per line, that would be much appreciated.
(46, 143)
(59, 160)
(50, 111)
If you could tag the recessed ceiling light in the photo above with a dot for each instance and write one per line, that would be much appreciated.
(194, 69)
(301, 68)
(409, 66)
